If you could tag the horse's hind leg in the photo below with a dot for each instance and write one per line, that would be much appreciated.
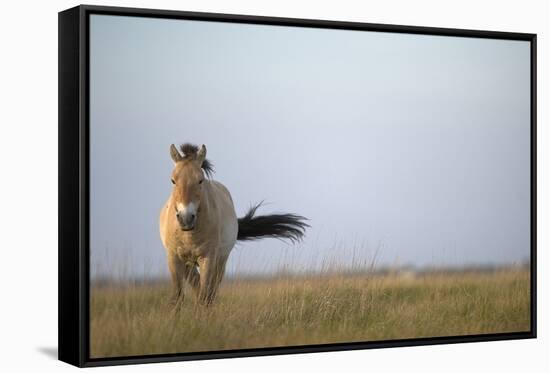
(212, 270)
(192, 277)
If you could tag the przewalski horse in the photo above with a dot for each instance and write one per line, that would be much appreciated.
(199, 226)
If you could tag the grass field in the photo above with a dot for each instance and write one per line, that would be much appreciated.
(289, 310)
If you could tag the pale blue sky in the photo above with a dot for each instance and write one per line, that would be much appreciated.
(411, 147)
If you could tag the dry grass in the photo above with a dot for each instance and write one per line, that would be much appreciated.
(287, 311)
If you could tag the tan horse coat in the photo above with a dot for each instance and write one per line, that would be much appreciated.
(207, 246)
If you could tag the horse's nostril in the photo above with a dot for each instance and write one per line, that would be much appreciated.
(193, 216)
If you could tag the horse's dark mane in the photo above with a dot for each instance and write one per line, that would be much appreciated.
(190, 151)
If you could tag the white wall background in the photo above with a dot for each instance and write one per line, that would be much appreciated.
(28, 198)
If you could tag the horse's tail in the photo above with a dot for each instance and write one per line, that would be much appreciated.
(281, 226)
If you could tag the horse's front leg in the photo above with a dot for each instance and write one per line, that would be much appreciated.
(177, 269)
(212, 270)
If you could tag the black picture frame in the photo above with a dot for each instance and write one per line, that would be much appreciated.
(73, 250)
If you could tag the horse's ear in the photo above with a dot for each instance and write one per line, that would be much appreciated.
(201, 154)
(175, 154)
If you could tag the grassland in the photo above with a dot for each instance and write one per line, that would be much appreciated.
(134, 319)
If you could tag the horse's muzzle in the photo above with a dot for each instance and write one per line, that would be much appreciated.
(186, 221)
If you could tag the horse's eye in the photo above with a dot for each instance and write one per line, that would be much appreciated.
(173, 182)
(200, 182)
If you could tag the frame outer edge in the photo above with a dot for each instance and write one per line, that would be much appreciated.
(534, 218)
(83, 221)
(69, 244)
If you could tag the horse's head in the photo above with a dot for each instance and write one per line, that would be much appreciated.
(188, 177)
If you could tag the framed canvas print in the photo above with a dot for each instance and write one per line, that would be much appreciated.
(238, 185)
